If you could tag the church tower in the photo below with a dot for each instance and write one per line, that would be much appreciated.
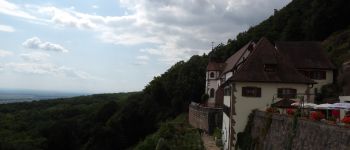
(213, 80)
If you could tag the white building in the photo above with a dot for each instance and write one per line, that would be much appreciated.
(258, 73)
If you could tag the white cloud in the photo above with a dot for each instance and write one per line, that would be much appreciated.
(46, 69)
(36, 43)
(14, 10)
(6, 28)
(4, 53)
(174, 29)
(35, 56)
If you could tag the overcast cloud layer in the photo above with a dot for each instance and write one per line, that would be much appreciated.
(177, 28)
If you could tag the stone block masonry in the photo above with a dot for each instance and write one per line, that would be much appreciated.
(205, 118)
(281, 132)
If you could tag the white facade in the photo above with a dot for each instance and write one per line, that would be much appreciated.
(244, 105)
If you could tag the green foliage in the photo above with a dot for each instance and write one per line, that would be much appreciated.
(338, 46)
(204, 97)
(173, 135)
(218, 137)
(58, 124)
(328, 91)
(308, 20)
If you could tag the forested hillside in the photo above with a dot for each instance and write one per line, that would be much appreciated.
(300, 20)
(102, 123)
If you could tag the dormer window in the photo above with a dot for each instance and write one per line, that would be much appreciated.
(212, 75)
(270, 67)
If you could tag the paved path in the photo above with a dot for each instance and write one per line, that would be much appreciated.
(209, 142)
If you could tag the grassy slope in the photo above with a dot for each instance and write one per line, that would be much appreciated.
(175, 134)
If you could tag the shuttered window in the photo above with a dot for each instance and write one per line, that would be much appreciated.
(251, 91)
(286, 93)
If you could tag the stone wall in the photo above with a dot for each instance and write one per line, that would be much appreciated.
(276, 132)
(205, 118)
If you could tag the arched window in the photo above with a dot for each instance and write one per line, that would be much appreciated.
(212, 75)
(212, 91)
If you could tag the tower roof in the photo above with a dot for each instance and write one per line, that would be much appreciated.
(215, 66)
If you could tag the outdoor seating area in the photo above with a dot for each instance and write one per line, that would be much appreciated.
(335, 114)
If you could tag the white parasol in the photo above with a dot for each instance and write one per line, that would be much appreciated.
(340, 106)
(323, 106)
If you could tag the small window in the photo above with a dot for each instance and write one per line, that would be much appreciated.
(251, 91)
(270, 67)
(318, 75)
(212, 75)
(227, 91)
(286, 93)
(212, 91)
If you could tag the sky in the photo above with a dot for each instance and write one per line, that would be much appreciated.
(112, 45)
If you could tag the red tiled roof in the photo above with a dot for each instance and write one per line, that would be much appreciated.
(253, 70)
(305, 55)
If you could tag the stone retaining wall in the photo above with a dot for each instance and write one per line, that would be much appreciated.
(205, 118)
(276, 132)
